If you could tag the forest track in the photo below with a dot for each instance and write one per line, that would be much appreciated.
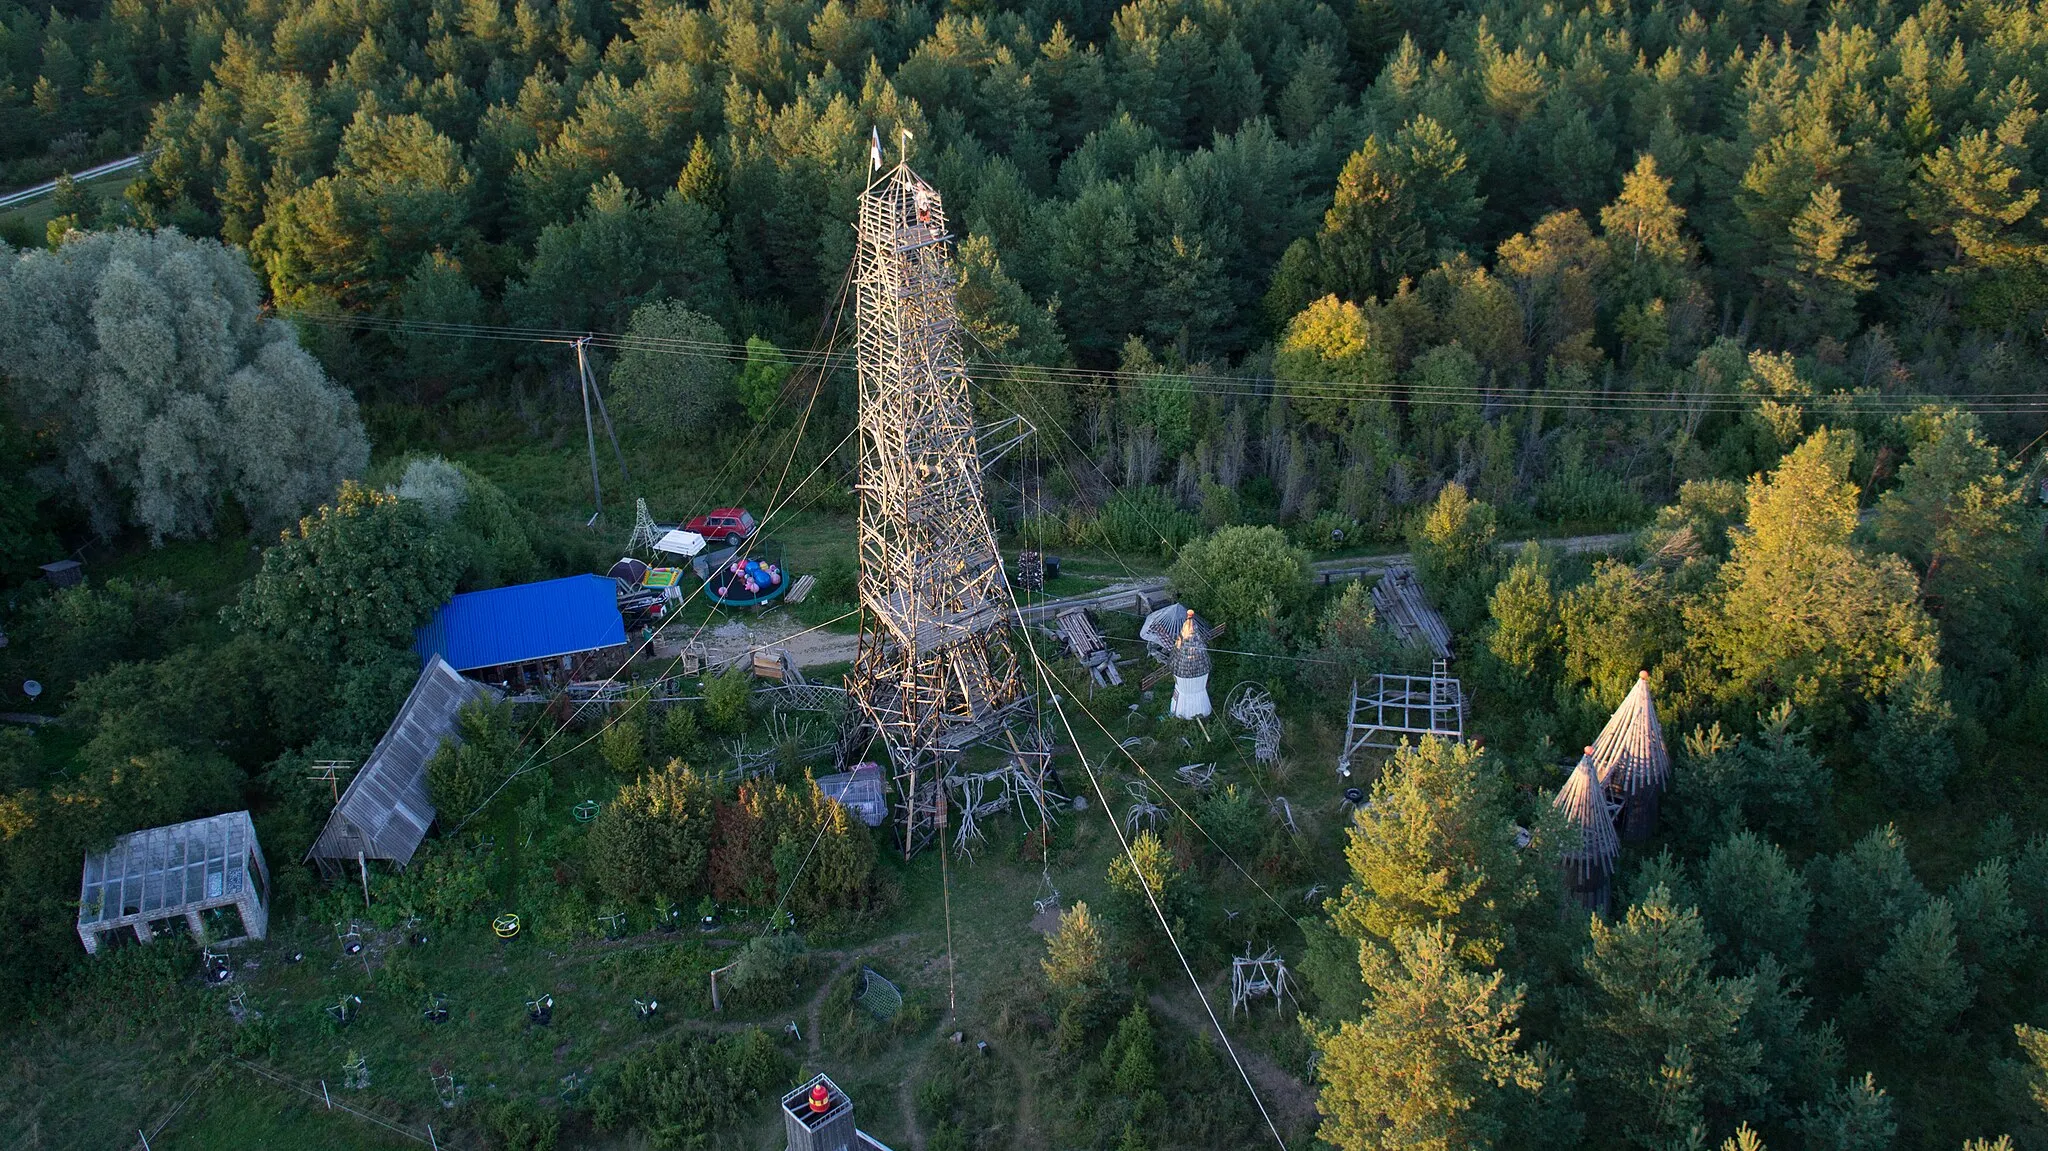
(1292, 1102)
(735, 640)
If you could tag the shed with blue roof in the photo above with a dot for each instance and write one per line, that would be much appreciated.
(527, 631)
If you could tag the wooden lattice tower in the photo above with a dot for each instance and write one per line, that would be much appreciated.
(935, 672)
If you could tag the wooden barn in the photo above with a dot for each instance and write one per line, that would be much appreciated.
(385, 812)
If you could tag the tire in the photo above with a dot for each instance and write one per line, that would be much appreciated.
(733, 540)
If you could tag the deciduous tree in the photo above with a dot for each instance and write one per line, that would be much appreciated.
(163, 389)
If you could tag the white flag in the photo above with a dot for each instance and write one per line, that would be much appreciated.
(875, 148)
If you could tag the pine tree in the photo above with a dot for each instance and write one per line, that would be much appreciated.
(1991, 927)
(1919, 985)
(1370, 239)
(1855, 1116)
(1653, 1033)
(1864, 893)
(1911, 745)
(1441, 188)
(1824, 269)
(1075, 962)
(700, 181)
(1964, 197)
(2034, 1043)
(1428, 1064)
(1755, 903)
(1958, 516)
(1434, 845)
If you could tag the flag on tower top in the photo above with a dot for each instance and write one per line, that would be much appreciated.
(875, 148)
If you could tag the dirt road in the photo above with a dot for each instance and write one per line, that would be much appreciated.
(737, 640)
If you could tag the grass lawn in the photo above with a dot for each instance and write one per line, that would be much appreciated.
(65, 1091)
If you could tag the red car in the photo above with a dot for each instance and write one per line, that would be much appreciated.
(724, 525)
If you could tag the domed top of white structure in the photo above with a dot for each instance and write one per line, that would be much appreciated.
(1630, 753)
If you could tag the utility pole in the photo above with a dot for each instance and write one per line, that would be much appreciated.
(588, 384)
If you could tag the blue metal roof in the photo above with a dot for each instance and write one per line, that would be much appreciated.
(524, 622)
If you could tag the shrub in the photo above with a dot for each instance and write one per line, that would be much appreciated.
(623, 744)
(1144, 519)
(518, 1125)
(461, 777)
(1241, 575)
(767, 968)
(728, 700)
(655, 837)
(838, 579)
(682, 1090)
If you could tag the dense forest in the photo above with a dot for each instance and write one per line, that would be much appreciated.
(1763, 282)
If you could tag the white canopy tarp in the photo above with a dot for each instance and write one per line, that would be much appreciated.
(680, 543)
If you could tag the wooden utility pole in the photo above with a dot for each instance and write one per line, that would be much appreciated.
(587, 383)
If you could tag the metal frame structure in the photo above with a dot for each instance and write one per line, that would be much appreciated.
(1403, 705)
(935, 672)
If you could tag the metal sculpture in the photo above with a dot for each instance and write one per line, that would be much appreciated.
(1254, 978)
(1252, 708)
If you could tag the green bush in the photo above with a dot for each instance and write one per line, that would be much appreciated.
(682, 732)
(1240, 576)
(838, 579)
(77, 631)
(681, 1091)
(1145, 520)
(460, 778)
(767, 968)
(623, 744)
(728, 700)
(518, 1125)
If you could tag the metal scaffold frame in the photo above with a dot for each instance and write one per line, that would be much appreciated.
(935, 672)
(1397, 706)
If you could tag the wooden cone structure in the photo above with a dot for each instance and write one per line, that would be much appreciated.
(1633, 763)
(1591, 844)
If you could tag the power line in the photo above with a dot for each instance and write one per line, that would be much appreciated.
(1672, 401)
(1151, 897)
(752, 539)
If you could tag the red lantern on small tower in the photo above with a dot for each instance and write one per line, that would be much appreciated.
(821, 1100)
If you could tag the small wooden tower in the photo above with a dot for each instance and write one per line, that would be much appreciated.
(1633, 762)
(1590, 842)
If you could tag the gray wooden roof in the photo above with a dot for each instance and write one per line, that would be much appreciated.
(1583, 803)
(1630, 752)
(1404, 606)
(385, 811)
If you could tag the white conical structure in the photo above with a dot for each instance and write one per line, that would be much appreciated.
(1189, 663)
(1591, 845)
(1633, 763)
